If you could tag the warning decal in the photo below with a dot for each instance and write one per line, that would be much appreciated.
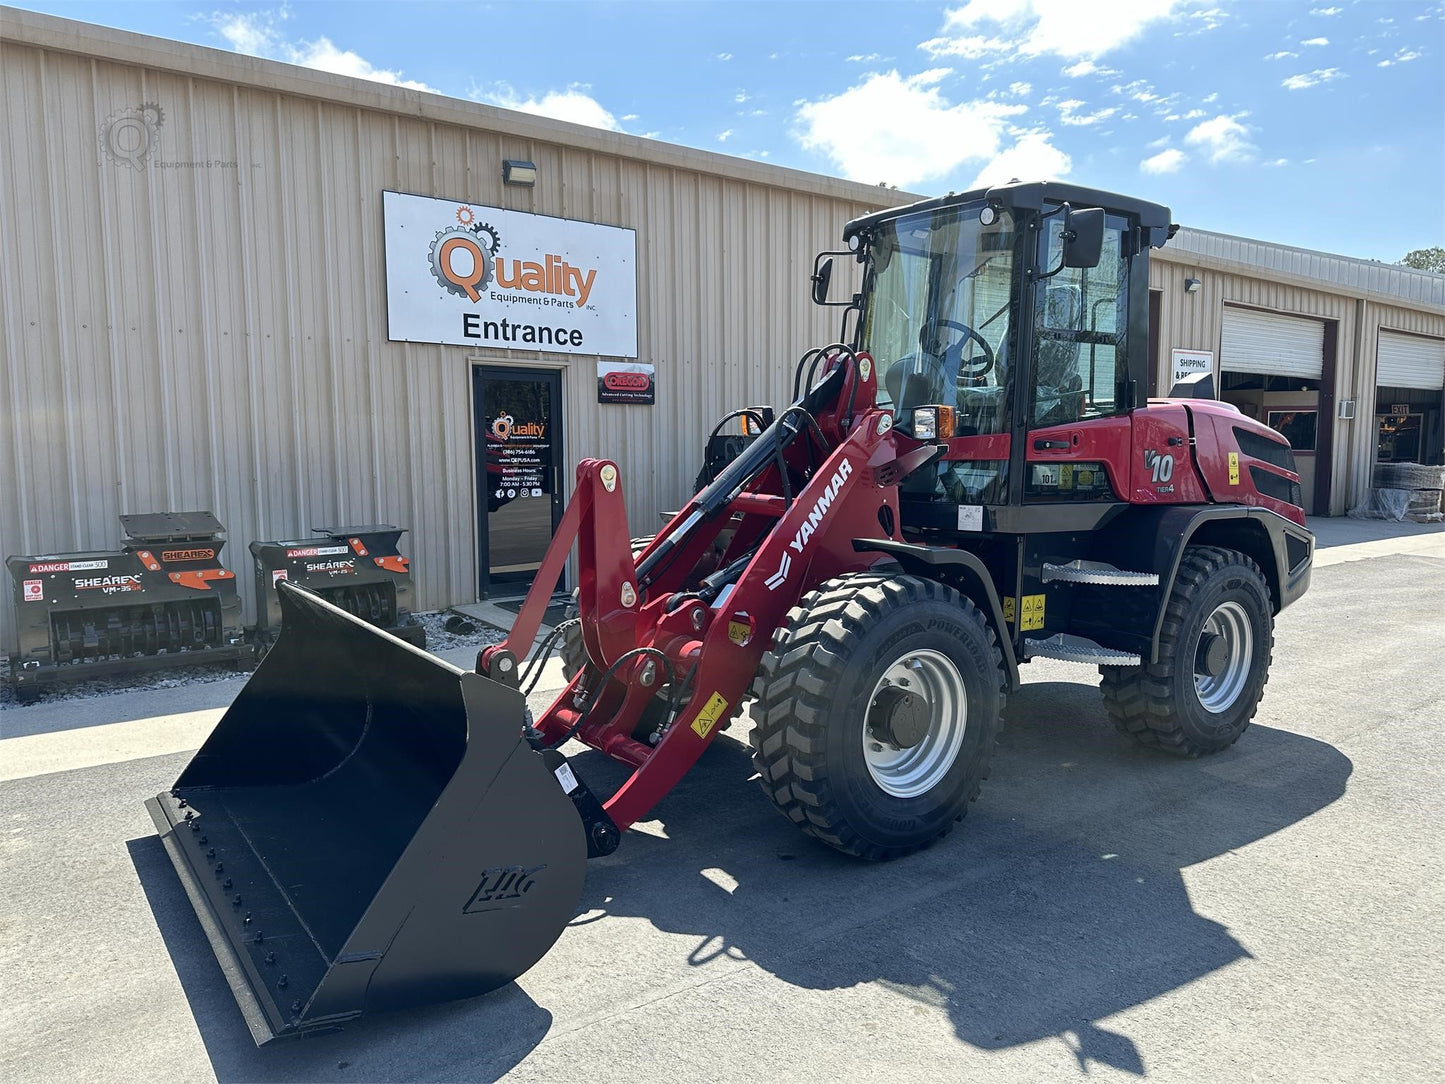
(34, 590)
(1032, 611)
(711, 712)
(1234, 468)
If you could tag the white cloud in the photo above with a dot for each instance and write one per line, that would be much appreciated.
(1088, 67)
(572, 104)
(258, 33)
(863, 58)
(1404, 56)
(627, 117)
(1223, 139)
(722, 137)
(723, 56)
(1315, 41)
(1030, 28)
(1277, 162)
(740, 97)
(1326, 11)
(1069, 114)
(1314, 78)
(1031, 158)
(1210, 98)
(1167, 161)
(1162, 141)
(1021, 90)
(903, 130)
(1283, 54)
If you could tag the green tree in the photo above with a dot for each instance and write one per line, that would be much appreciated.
(1426, 259)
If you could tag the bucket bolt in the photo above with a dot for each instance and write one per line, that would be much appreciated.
(247, 920)
(283, 982)
(220, 868)
(226, 883)
(260, 937)
(296, 1005)
(237, 903)
(270, 957)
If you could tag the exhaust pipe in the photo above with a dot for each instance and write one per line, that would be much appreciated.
(366, 828)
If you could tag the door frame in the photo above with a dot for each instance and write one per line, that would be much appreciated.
(479, 369)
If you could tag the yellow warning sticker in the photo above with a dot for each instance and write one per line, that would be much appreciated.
(1066, 476)
(1234, 468)
(711, 712)
(1032, 610)
(1008, 609)
(739, 632)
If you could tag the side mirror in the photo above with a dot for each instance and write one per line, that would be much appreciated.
(1083, 237)
(822, 276)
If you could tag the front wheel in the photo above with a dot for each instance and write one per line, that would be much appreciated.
(877, 711)
(1215, 647)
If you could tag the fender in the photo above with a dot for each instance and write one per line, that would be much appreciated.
(1155, 539)
(928, 560)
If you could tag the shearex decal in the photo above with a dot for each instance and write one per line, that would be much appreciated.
(811, 524)
(332, 568)
(108, 585)
(188, 555)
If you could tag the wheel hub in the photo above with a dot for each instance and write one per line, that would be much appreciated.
(915, 722)
(899, 717)
(1213, 655)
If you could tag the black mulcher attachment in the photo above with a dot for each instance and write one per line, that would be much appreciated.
(378, 837)
(161, 600)
(359, 569)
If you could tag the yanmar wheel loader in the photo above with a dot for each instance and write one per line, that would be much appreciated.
(973, 480)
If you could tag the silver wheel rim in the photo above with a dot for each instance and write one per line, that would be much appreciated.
(1217, 693)
(908, 773)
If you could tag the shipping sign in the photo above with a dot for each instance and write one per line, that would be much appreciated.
(465, 275)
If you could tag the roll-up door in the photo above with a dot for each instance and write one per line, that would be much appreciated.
(1410, 361)
(1272, 344)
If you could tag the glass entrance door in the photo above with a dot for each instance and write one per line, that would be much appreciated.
(519, 464)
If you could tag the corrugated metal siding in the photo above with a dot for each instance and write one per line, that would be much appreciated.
(1410, 361)
(1195, 322)
(216, 337)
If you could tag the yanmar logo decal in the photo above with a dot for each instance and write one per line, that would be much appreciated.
(810, 525)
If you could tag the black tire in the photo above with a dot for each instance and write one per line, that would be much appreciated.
(1158, 704)
(572, 650)
(813, 690)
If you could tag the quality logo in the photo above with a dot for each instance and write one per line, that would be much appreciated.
(465, 262)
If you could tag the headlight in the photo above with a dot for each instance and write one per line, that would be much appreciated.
(925, 423)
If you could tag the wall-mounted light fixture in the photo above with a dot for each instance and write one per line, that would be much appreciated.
(519, 173)
(1347, 409)
(1191, 286)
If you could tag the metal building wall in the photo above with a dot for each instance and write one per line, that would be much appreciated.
(215, 337)
(1195, 322)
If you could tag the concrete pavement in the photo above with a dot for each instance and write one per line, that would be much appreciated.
(1272, 913)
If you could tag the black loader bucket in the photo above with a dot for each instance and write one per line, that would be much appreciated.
(366, 828)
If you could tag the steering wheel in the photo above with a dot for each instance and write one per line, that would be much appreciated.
(953, 355)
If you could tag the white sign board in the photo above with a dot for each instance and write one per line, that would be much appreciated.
(465, 275)
(1189, 362)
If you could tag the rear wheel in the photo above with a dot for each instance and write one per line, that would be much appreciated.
(1215, 648)
(877, 711)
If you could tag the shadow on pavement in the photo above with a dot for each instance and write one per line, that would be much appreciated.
(479, 1039)
(1058, 902)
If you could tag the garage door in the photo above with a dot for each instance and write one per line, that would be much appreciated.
(1411, 361)
(1271, 343)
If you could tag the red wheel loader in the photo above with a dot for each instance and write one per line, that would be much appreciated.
(973, 480)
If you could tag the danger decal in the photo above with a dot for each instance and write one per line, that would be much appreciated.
(317, 551)
(67, 566)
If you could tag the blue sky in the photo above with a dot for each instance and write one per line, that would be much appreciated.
(1318, 123)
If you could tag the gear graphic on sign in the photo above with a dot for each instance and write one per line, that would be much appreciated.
(488, 231)
(465, 216)
(461, 262)
(129, 136)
